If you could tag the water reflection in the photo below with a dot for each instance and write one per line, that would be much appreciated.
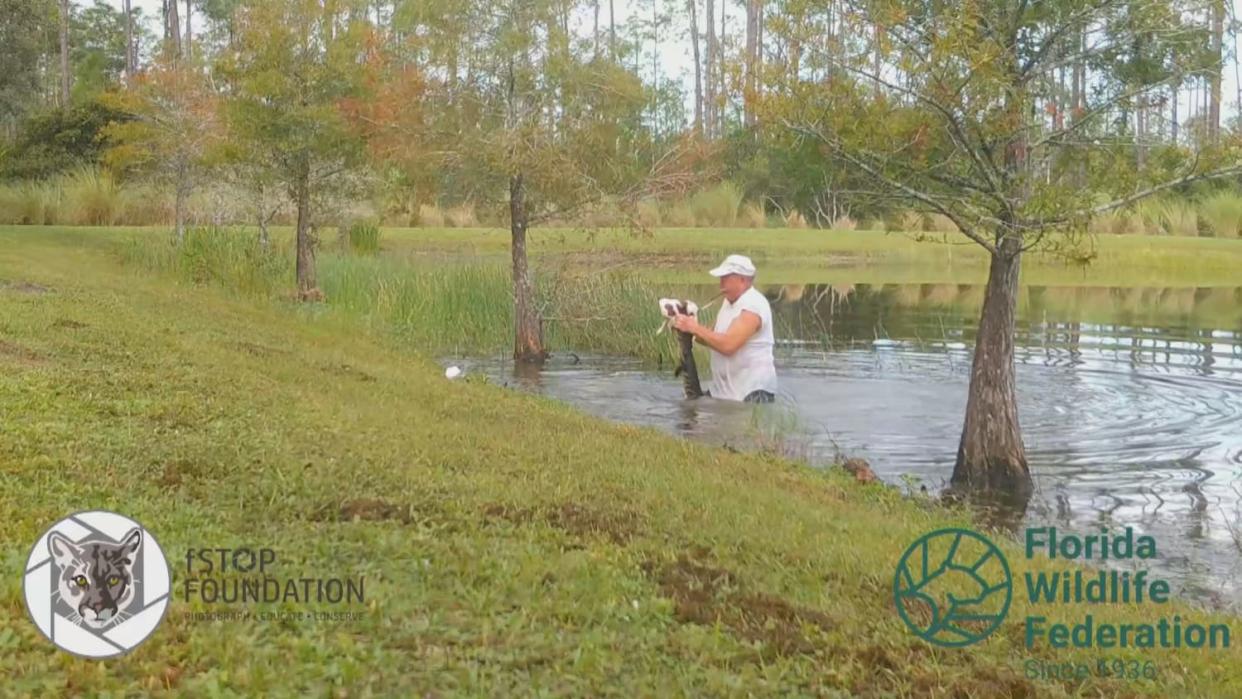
(1130, 401)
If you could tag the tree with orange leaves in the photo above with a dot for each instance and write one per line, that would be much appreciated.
(171, 133)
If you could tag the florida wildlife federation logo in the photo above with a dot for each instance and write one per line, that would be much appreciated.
(97, 584)
(953, 587)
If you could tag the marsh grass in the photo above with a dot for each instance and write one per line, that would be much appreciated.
(92, 197)
(34, 203)
(1178, 217)
(647, 213)
(364, 238)
(940, 223)
(1222, 212)
(461, 216)
(227, 258)
(795, 220)
(609, 312)
(679, 214)
(844, 223)
(753, 216)
(430, 216)
(457, 308)
(440, 305)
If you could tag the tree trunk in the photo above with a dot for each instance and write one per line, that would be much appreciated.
(130, 54)
(1080, 104)
(64, 54)
(612, 31)
(1217, 50)
(1237, 71)
(174, 30)
(189, 48)
(528, 331)
(595, 4)
(875, 54)
(698, 67)
(182, 188)
(1174, 89)
(795, 63)
(990, 457)
(709, 104)
(749, 83)
(655, 68)
(307, 287)
(722, 93)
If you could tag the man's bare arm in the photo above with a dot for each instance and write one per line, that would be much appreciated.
(728, 342)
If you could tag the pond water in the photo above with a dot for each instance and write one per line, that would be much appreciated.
(1130, 402)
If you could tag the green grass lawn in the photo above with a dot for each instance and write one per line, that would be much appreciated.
(510, 544)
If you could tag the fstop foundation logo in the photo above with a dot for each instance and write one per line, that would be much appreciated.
(97, 584)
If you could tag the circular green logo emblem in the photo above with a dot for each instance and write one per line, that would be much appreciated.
(953, 587)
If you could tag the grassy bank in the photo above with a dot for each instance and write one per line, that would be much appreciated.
(442, 306)
(510, 545)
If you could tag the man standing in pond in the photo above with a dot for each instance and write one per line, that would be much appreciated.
(741, 343)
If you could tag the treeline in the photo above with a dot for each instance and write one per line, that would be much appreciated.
(426, 107)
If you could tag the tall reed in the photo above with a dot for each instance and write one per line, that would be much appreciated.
(1222, 212)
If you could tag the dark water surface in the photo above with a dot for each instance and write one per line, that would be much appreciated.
(1130, 402)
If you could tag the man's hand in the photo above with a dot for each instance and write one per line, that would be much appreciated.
(687, 324)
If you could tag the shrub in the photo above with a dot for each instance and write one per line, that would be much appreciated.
(29, 203)
(717, 206)
(912, 221)
(941, 224)
(92, 197)
(145, 205)
(679, 215)
(461, 216)
(430, 216)
(1147, 217)
(1222, 212)
(795, 219)
(605, 213)
(753, 216)
(53, 142)
(844, 223)
(647, 214)
(1103, 224)
(1180, 218)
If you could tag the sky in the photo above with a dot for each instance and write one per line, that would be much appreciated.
(675, 55)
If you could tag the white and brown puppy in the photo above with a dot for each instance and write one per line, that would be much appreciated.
(687, 369)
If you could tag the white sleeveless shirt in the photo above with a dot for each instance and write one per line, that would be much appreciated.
(751, 367)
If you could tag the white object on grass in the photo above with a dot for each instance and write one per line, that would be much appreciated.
(452, 372)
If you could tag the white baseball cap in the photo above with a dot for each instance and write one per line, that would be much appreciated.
(735, 264)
